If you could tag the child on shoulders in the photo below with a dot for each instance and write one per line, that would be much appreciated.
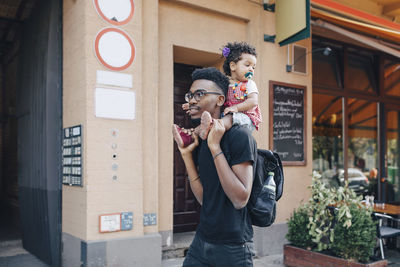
(241, 105)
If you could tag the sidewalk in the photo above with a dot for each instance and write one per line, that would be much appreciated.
(267, 261)
(12, 254)
(174, 255)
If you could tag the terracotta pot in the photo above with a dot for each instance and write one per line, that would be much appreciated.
(299, 257)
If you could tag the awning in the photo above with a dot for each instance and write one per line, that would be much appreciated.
(367, 29)
(357, 37)
(354, 14)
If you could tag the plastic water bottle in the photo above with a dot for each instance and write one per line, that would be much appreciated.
(270, 184)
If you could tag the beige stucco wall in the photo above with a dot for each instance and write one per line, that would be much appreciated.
(145, 144)
(74, 199)
(137, 143)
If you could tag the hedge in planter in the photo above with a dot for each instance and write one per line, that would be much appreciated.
(362, 226)
(298, 233)
(348, 231)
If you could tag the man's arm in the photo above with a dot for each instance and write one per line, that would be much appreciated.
(236, 181)
(187, 156)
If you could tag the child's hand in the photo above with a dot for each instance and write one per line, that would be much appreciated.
(232, 109)
(185, 106)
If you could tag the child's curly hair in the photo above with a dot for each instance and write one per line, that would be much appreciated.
(234, 51)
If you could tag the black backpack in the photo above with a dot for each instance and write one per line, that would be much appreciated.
(262, 203)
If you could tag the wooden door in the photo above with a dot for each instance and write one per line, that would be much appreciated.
(186, 207)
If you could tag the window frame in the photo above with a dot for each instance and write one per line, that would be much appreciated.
(384, 101)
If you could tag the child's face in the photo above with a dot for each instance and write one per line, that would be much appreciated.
(243, 70)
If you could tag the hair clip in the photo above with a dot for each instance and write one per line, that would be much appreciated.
(226, 51)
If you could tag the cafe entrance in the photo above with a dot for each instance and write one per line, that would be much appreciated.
(356, 104)
(392, 185)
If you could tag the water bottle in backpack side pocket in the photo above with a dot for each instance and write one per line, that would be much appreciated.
(270, 185)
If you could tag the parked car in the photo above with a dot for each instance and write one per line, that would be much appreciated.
(357, 180)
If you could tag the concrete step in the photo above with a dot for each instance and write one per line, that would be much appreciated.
(11, 248)
(181, 243)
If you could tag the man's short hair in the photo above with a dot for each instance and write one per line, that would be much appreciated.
(214, 75)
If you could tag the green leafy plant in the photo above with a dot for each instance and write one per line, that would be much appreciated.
(356, 242)
(298, 232)
(333, 219)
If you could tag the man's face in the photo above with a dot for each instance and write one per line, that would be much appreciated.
(210, 101)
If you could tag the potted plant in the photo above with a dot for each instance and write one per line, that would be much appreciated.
(332, 228)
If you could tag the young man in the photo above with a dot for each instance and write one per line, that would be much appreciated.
(224, 234)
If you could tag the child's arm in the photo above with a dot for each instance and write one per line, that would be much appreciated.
(248, 104)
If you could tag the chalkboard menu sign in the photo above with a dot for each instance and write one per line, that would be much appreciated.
(287, 122)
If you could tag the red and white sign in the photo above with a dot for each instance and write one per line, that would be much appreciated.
(114, 49)
(116, 12)
(110, 223)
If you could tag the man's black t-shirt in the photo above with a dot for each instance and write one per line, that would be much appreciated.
(220, 222)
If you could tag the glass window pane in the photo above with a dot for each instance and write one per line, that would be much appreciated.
(326, 70)
(361, 75)
(327, 138)
(392, 77)
(393, 160)
(362, 148)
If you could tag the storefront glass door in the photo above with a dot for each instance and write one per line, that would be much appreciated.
(392, 181)
(362, 150)
(327, 138)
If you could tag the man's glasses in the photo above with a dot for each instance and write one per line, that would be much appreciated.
(198, 94)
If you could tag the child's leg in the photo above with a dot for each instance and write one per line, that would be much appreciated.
(243, 120)
(227, 121)
(205, 125)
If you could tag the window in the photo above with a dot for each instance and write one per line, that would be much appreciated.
(392, 184)
(362, 143)
(392, 77)
(361, 75)
(326, 68)
(327, 137)
(346, 119)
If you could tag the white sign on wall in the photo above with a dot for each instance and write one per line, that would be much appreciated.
(114, 104)
(110, 223)
(114, 49)
(116, 12)
(114, 78)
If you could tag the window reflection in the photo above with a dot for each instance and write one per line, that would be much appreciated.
(361, 74)
(326, 70)
(327, 137)
(393, 159)
(392, 77)
(362, 144)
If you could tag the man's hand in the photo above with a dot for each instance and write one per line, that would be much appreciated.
(187, 150)
(232, 109)
(215, 136)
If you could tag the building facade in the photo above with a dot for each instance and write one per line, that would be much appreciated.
(113, 189)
